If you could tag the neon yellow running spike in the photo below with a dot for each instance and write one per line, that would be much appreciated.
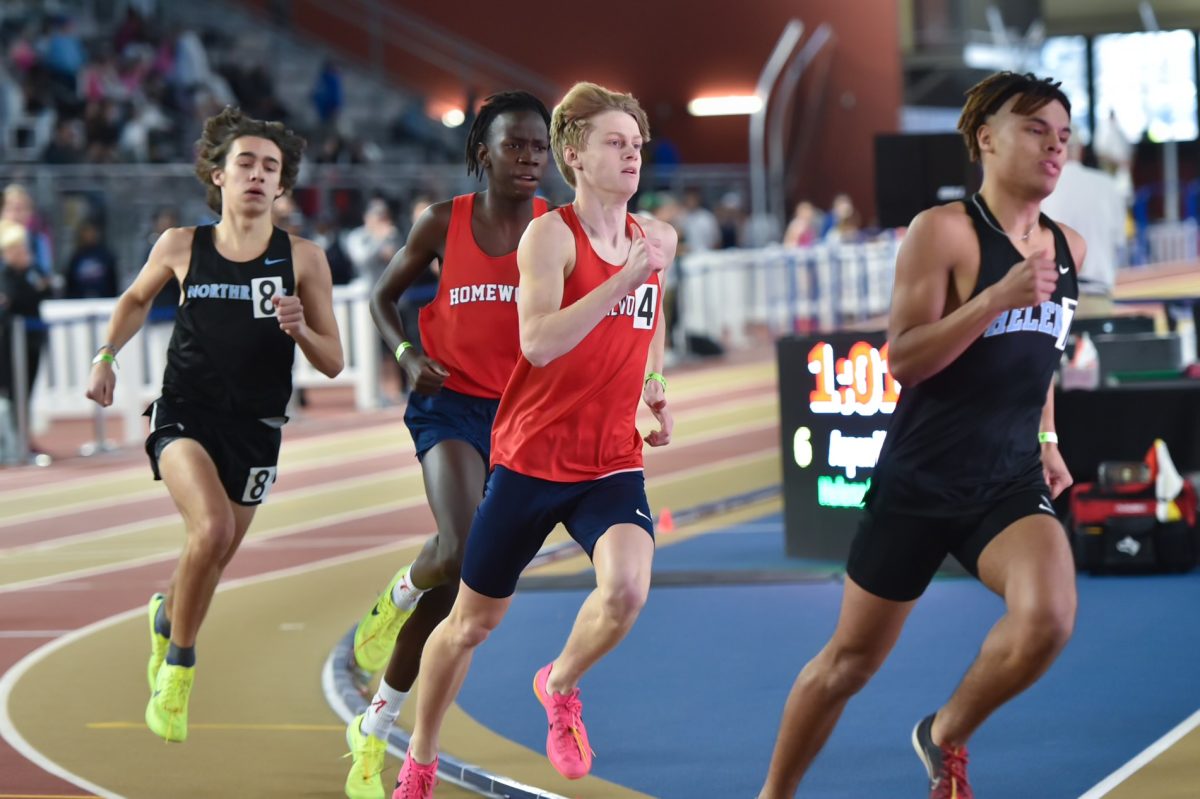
(363, 781)
(158, 644)
(167, 711)
(376, 633)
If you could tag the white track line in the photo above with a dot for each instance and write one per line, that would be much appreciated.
(312, 464)
(291, 448)
(295, 447)
(9, 680)
(156, 490)
(304, 492)
(108, 568)
(1149, 753)
(338, 518)
(337, 485)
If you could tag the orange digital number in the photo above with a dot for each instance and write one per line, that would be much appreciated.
(891, 389)
(859, 383)
(824, 398)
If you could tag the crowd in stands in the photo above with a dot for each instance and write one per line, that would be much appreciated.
(138, 91)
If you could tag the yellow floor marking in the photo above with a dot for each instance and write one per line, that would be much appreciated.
(141, 725)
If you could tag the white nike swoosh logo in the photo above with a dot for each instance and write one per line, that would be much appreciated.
(273, 261)
(1046, 506)
(1062, 269)
(638, 511)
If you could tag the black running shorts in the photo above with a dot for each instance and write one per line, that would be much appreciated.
(895, 555)
(245, 451)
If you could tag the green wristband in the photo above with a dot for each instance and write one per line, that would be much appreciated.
(404, 345)
(105, 357)
(655, 376)
(1048, 438)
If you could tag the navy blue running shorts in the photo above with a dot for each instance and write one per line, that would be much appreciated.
(447, 415)
(518, 512)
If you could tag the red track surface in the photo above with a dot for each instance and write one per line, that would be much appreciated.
(74, 603)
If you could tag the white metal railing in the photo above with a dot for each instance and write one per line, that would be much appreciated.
(76, 329)
(1173, 241)
(724, 294)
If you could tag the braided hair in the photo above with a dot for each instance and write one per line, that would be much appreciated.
(494, 106)
(986, 97)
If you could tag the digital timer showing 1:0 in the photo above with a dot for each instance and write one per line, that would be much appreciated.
(859, 383)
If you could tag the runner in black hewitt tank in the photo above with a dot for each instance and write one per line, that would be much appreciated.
(984, 296)
(250, 293)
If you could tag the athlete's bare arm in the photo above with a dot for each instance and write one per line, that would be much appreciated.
(308, 316)
(545, 257)
(426, 244)
(1054, 468)
(923, 338)
(168, 260)
(653, 393)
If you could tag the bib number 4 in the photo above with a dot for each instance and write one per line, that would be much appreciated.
(645, 306)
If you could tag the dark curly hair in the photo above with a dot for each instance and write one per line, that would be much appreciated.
(494, 106)
(221, 130)
(986, 97)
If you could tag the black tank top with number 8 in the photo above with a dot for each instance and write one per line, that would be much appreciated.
(227, 352)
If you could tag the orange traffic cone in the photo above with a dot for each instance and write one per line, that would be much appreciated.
(666, 522)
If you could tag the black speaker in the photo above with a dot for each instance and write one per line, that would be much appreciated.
(915, 171)
(1107, 325)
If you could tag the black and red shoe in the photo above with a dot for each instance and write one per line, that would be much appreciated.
(946, 765)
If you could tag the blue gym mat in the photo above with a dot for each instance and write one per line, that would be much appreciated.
(689, 704)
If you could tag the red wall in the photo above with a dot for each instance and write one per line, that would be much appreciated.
(665, 56)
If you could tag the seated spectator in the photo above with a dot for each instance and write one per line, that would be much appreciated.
(844, 221)
(701, 231)
(287, 215)
(67, 146)
(22, 290)
(92, 269)
(372, 245)
(327, 93)
(731, 217)
(167, 300)
(802, 229)
(18, 207)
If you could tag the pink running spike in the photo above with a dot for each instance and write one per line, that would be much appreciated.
(416, 780)
(566, 741)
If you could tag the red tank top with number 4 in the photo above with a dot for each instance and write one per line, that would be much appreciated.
(575, 418)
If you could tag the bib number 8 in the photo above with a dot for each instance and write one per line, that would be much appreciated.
(262, 289)
(645, 305)
(259, 483)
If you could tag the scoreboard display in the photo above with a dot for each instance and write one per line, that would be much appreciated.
(836, 399)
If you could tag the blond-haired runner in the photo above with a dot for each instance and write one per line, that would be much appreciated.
(565, 447)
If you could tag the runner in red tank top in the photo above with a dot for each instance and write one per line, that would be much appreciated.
(565, 448)
(469, 331)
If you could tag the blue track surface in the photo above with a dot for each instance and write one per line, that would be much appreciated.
(687, 707)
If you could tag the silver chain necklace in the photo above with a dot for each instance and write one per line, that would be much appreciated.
(987, 217)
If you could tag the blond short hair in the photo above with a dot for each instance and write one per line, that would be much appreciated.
(12, 233)
(572, 119)
(15, 190)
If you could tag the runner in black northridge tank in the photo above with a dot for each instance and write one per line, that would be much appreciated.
(984, 295)
(250, 293)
